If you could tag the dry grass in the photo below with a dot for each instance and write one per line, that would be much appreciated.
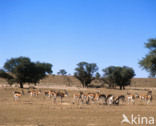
(41, 111)
(72, 81)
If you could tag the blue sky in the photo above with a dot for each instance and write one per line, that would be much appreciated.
(66, 32)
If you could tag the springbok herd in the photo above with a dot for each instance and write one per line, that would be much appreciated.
(88, 98)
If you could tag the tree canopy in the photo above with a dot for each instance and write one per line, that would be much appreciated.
(85, 72)
(62, 72)
(149, 61)
(97, 75)
(22, 70)
(121, 76)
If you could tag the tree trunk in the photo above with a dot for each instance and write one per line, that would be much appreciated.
(109, 85)
(123, 87)
(113, 85)
(21, 85)
(120, 87)
(86, 85)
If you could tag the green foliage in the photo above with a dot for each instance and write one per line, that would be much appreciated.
(149, 61)
(22, 70)
(62, 72)
(151, 44)
(97, 75)
(8, 77)
(109, 73)
(85, 72)
(120, 76)
(10, 65)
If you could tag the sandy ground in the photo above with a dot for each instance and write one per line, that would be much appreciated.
(41, 111)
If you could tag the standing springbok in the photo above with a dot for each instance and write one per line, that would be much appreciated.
(34, 92)
(60, 94)
(146, 97)
(131, 97)
(78, 97)
(50, 93)
(17, 95)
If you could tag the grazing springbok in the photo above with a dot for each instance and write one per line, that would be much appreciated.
(102, 99)
(118, 99)
(34, 92)
(18, 94)
(90, 97)
(78, 97)
(50, 93)
(46, 93)
(60, 94)
(131, 97)
(146, 97)
(109, 99)
(94, 97)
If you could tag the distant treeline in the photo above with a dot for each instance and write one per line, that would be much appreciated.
(22, 70)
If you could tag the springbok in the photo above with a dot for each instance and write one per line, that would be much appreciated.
(109, 99)
(34, 92)
(78, 97)
(60, 94)
(18, 94)
(117, 99)
(92, 96)
(50, 93)
(131, 97)
(146, 97)
(95, 97)
(102, 99)
(89, 97)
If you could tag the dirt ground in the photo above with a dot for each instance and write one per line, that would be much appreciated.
(41, 111)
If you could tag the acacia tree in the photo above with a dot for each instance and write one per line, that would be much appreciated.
(109, 76)
(149, 61)
(62, 72)
(120, 76)
(85, 72)
(5, 75)
(97, 75)
(67, 80)
(21, 70)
